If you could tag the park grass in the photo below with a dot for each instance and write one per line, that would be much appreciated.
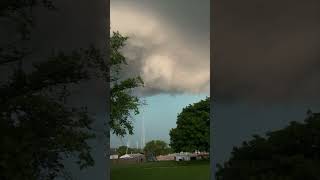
(190, 170)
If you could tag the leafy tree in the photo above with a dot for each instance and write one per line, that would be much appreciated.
(37, 124)
(157, 147)
(37, 128)
(169, 150)
(192, 131)
(290, 153)
(122, 150)
(123, 103)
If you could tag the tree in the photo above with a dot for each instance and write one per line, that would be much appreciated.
(123, 103)
(122, 150)
(157, 147)
(289, 153)
(38, 129)
(37, 124)
(192, 131)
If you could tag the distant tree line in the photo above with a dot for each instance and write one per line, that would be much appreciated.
(122, 150)
(155, 147)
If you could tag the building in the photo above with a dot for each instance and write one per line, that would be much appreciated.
(169, 157)
(186, 156)
(126, 156)
(202, 155)
(131, 159)
(182, 156)
(114, 156)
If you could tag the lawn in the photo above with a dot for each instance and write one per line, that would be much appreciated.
(192, 170)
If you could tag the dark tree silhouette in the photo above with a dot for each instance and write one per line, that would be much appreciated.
(290, 153)
(38, 127)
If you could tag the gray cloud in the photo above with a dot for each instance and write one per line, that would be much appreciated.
(170, 58)
(266, 51)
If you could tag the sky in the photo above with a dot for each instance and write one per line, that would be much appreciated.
(169, 47)
(265, 64)
(265, 67)
(159, 117)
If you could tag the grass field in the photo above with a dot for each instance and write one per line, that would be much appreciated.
(170, 170)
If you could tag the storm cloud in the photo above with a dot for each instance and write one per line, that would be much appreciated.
(266, 51)
(170, 53)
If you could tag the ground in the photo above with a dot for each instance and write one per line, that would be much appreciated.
(192, 170)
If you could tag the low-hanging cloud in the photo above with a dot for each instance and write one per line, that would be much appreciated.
(166, 59)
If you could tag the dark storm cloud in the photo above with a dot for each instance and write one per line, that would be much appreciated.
(188, 15)
(266, 51)
(168, 46)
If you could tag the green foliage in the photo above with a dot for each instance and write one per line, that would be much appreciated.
(192, 131)
(157, 147)
(290, 153)
(122, 150)
(123, 103)
(37, 128)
